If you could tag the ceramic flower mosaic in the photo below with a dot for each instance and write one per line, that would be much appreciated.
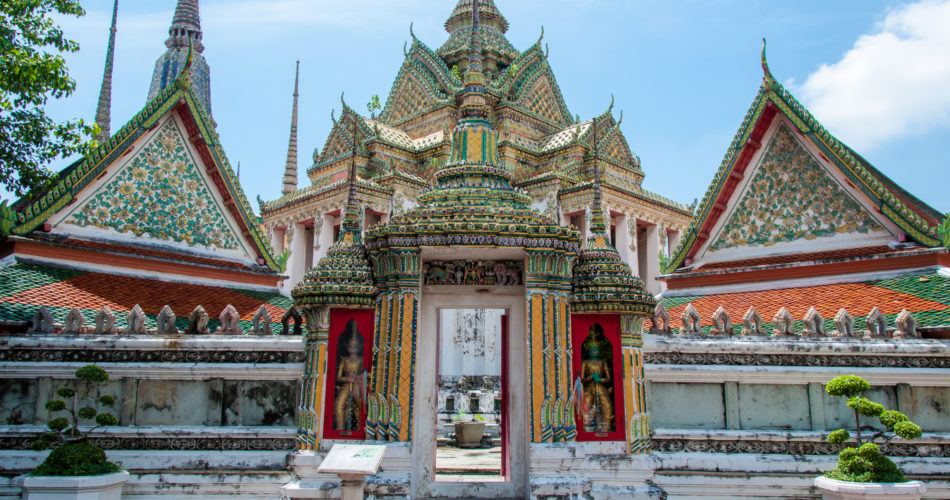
(792, 197)
(162, 194)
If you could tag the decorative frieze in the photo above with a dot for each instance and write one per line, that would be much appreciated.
(106, 355)
(481, 272)
(794, 359)
(800, 446)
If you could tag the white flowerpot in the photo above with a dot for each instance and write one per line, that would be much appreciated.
(832, 489)
(103, 487)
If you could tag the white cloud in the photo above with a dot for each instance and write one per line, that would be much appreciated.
(892, 83)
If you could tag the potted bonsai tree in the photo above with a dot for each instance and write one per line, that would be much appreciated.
(468, 434)
(76, 468)
(864, 471)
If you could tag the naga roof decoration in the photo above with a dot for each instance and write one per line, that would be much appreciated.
(30, 212)
(344, 276)
(473, 202)
(913, 216)
(602, 282)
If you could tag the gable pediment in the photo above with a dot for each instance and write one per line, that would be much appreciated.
(160, 194)
(792, 199)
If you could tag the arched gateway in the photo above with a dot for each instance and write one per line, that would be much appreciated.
(573, 374)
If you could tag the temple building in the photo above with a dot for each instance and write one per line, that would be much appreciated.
(472, 250)
(545, 147)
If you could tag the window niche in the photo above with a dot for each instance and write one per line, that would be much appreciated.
(348, 360)
(599, 406)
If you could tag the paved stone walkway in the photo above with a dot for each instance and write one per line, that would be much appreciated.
(457, 464)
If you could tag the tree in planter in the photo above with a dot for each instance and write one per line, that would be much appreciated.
(866, 463)
(73, 453)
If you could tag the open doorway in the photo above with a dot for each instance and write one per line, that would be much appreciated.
(471, 444)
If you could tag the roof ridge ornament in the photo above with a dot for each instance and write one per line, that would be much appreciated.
(767, 73)
(540, 37)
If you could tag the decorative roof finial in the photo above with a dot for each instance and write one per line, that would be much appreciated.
(103, 110)
(597, 214)
(542, 35)
(767, 74)
(290, 168)
(186, 26)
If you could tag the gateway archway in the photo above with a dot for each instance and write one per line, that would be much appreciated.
(436, 298)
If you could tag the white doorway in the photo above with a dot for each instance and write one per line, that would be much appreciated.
(440, 306)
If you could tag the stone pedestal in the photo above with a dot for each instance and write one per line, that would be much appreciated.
(832, 489)
(104, 487)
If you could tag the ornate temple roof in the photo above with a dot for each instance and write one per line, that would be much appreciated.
(473, 202)
(30, 212)
(918, 220)
(494, 45)
(926, 295)
(26, 286)
(602, 282)
(344, 276)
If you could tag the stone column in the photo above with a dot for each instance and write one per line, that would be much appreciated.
(633, 245)
(547, 319)
(623, 239)
(634, 384)
(390, 384)
(309, 423)
(652, 261)
(297, 263)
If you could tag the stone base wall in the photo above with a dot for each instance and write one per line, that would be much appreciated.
(758, 412)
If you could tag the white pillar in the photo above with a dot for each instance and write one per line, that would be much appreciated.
(651, 260)
(324, 238)
(277, 241)
(296, 264)
(623, 241)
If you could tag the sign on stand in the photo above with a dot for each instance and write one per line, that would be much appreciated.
(353, 462)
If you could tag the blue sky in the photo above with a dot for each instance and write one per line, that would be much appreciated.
(876, 73)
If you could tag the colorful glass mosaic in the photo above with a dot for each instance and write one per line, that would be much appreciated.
(792, 197)
(162, 194)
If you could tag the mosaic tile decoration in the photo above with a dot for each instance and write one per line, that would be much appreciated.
(792, 197)
(927, 296)
(160, 193)
(25, 287)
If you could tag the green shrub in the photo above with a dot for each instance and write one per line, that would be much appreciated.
(73, 453)
(847, 385)
(866, 463)
(76, 458)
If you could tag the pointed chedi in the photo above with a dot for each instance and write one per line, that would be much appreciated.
(183, 35)
(104, 108)
(290, 169)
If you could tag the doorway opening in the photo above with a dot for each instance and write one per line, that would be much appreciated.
(471, 417)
